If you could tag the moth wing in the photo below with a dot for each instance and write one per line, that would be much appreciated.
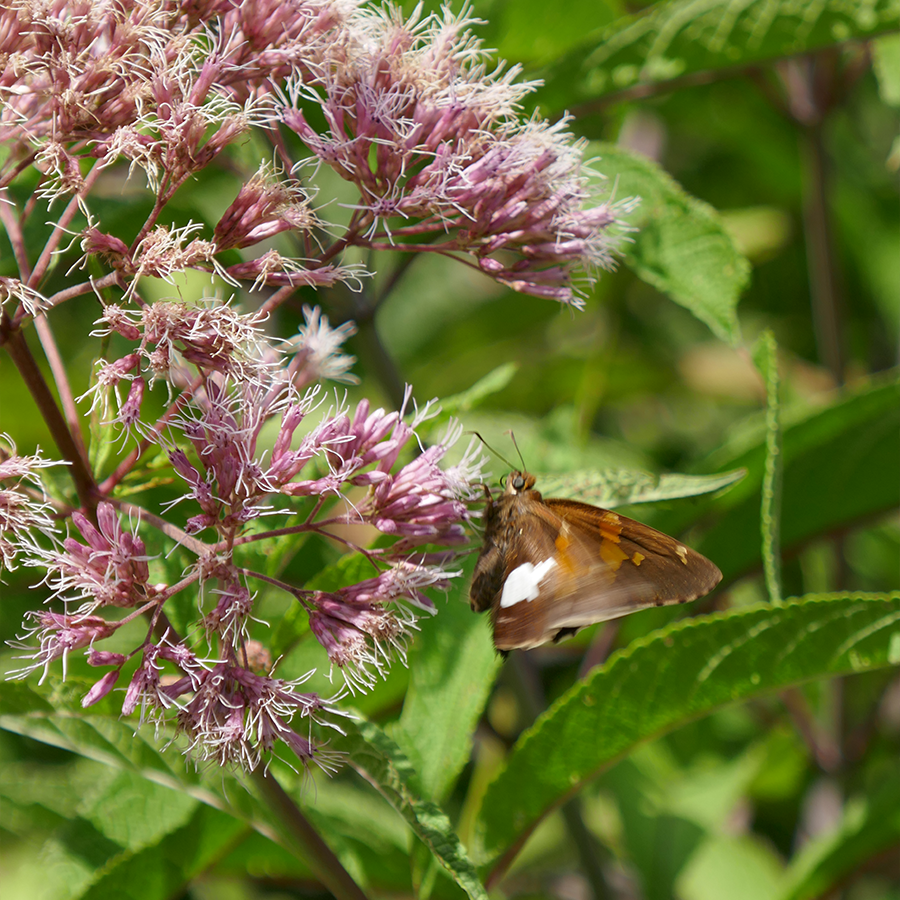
(573, 565)
(660, 568)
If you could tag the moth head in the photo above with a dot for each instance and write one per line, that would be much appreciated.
(519, 482)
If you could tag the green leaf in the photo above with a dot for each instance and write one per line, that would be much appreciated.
(358, 814)
(162, 870)
(371, 840)
(110, 817)
(886, 64)
(533, 30)
(740, 867)
(682, 248)
(770, 513)
(670, 677)
(674, 40)
(384, 765)
(840, 465)
(114, 742)
(494, 381)
(621, 487)
(870, 826)
(140, 755)
(451, 675)
(140, 829)
(135, 812)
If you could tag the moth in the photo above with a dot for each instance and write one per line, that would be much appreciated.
(548, 568)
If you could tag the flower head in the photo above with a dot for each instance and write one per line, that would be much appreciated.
(24, 511)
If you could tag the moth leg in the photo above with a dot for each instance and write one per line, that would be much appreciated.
(564, 633)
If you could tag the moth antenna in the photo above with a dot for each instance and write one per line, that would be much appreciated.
(486, 444)
(521, 458)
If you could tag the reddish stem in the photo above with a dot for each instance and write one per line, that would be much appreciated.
(37, 386)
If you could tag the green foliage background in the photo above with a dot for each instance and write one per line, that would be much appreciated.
(738, 748)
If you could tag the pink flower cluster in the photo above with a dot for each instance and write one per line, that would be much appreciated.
(412, 117)
(25, 514)
(228, 702)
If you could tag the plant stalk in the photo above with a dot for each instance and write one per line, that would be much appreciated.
(40, 391)
(305, 840)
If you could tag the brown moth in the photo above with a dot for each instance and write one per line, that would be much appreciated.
(551, 567)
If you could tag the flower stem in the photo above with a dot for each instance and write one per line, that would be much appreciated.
(61, 379)
(305, 841)
(23, 360)
(821, 262)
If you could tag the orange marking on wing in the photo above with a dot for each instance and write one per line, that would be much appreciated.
(563, 559)
(612, 537)
(638, 558)
(612, 554)
(610, 527)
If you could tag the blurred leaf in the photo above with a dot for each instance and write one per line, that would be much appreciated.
(452, 671)
(140, 757)
(655, 839)
(493, 382)
(136, 813)
(682, 247)
(840, 465)
(759, 232)
(870, 826)
(782, 772)
(140, 831)
(671, 677)
(621, 487)
(384, 765)
(114, 742)
(161, 871)
(361, 820)
(534, 30)
(370, 839)
(668, 810)
(673, 40)
(740, 867)
(886, 63)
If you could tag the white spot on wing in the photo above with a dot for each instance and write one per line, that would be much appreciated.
(523, 582)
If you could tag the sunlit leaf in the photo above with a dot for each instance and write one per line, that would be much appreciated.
(621, 487)
(681, 246)
(452, 672)
(675, 675)
(384, 765)
(678, 39)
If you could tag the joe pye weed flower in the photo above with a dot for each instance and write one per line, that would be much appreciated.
(214, 434)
